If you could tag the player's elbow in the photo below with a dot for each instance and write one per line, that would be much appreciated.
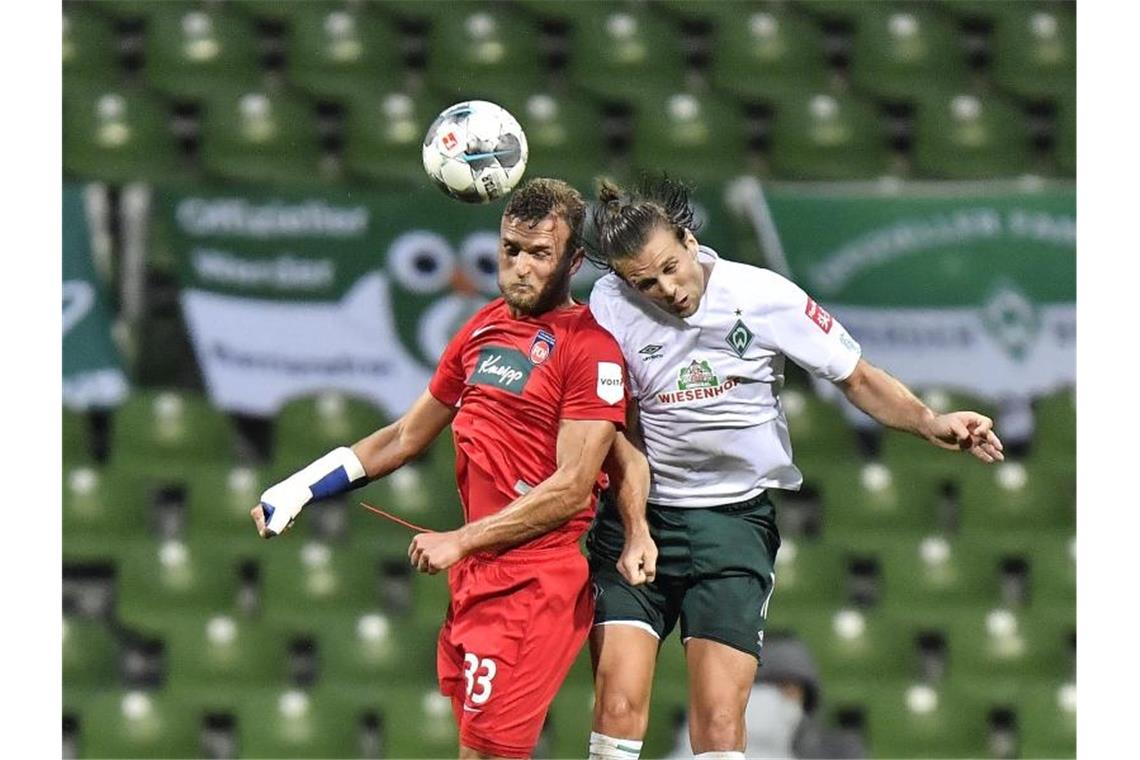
(858, 379)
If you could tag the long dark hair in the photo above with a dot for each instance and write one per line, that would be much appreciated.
(622, 220)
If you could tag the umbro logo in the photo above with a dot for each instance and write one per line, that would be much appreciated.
(652, 351)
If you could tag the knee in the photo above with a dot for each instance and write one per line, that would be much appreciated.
(717, 729)
(618, 709)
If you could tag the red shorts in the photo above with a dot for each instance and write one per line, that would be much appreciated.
(514, 626)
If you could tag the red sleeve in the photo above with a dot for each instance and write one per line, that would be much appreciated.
(450, 378)
(594, 377)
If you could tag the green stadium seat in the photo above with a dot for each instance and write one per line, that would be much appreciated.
(139, 724)
(562, 136)
(1034, 51)
(936, 572)
(698, 138)
(761, 51)
(263, 137)
(1051, 558)
(902, 51)
(418, 721)
(76, 438)
(485, 48)
(117, 135)
(103, 511)
(966, 136)
(206, 653)
(918, 720)
(809, 575)
(872, 498)
(1016, 496)
(90, 654)
(337, 51)
(220, 498)
(1047, 721)
(192, 51)
(368, 648)
(819, 433)
(90, 49)
(1055, 429)
(1065, 136)
(296, 723)
(310, 426)
(822, 135)
(159, 584)
(384, 132)
(1008, 647)
(625, 53)
(301, 578)
(848, 643)
(431, 597)
(156, 431)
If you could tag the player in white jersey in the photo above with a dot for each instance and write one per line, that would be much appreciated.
(705, 341)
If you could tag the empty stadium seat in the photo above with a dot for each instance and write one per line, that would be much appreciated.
(1050, 557)
(296, 723)
(167, 430)
(369, 648)
(938, 572)
(260, 136)
(822, 135)
(309, 426)
(762, 51)
(625, 53)
(1034, 50)
(139, 724)
(337, 51)
(1016, 496)
(117, 135)
(90, 654)
(418, 721)
(482, 47)
(563, 137)
(819, 434)
(1047, 721)
(220, 499)
(849, 643)
(300, 578)
(211, 652)
(160, 581)
(103, 511)
(899, 52)
(698, 138)
(967, 136)
(384, 132)
(809, 574)
(90, 49)
(191, 51)
(872, 498)
(918, 720)
(1003, 645)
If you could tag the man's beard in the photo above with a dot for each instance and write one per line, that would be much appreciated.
(527, 301)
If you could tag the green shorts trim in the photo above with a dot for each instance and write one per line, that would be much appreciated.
(715, 571)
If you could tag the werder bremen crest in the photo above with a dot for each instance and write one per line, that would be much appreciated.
(740, 338)
(697, 375)
(1012, 319)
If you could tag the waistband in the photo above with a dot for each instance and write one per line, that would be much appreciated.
(761, 499)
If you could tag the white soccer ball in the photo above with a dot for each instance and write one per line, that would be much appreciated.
(475, 151)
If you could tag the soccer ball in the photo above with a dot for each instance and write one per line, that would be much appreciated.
(475, 151)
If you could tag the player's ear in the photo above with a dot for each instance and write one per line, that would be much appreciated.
(577, 257)
(690, 241)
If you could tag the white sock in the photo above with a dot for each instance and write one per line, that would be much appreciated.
(720, 755)
(604, 747)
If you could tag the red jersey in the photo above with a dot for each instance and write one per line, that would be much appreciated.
(513, 380)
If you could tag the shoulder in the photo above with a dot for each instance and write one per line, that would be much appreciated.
(585, 331)
(767, 290)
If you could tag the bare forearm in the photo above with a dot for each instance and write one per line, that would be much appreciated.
(887, 400)
(549, 505)
(628, 469)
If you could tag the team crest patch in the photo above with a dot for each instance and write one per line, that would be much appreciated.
(697, 375)
(740, 338)
(819, 315)
(541, 347)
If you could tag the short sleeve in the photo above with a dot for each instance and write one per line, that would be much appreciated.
(602, 298)
(807, 333)
(593, 377)
(450, 379)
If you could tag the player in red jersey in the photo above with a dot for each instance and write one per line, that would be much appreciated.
(533, 389)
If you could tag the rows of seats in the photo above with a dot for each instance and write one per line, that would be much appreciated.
(633, 86)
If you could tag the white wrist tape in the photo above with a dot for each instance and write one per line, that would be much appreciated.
(334, 473)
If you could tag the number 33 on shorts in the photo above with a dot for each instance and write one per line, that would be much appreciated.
(478, 683)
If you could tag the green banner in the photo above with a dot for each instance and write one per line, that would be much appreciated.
(293, 292)
(92, 371)
(967, 286)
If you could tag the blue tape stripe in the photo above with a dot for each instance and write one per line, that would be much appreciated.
(267, 509)
(330, 485)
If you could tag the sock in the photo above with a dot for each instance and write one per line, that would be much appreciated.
(604, 747)
(720, 755)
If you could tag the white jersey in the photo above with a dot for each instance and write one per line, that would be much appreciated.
(708, 385)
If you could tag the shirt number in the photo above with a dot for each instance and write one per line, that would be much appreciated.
(478, 686)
